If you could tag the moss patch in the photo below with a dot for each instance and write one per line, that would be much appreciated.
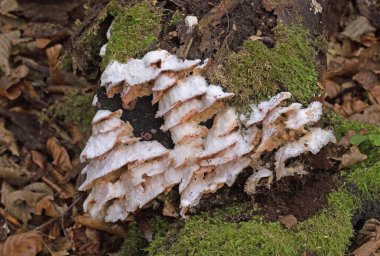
(257, 72)
(75, 109)
(136, 242)
(327, 233)
(134, 31)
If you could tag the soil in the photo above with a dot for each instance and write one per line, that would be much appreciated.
(236, 26)
(301, 197)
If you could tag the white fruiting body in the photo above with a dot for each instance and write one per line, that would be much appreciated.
(126, 174)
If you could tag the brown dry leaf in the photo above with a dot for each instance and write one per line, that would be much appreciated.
(289, 221)
(146, 229)
(350, 106)
(47, 204)
(375, 93)
(340, 65)
(38, 159)
(60, 156)
(76, 135)
(20, 203)
(5, 49)
(367, 79)
(371, 115)
(11, 85)
(331, 88)
(169, 208)
(351, 157)
(370, 233)
(53, 55)
(111, 228)
(84, 241)
(23, 244)
(41, 43)
(27, 129)
(12, 172)
(7, 140)
(357, 28)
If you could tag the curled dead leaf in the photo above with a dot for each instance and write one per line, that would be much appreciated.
(7, 140)
(60, 156)
(47, 205)
(351, 157)
(53, 55)
(12, 172)
(114, 229)
(369, 116)
(38, 159)
(370, 234)
(366, 79)
(374, 92)
(23, 244)
(5, 49)
(331, 88)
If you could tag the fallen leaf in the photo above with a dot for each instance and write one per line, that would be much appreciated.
(111, 228)
(351, 157)
(369, 116)
(60, 156)
(331, 88)
(84, 241)
(370, 234)
(20, 203)
(22, 244)
(366, 78)
(357, 28)
(12, 172)
(53, 55)
(47, 205)
(289, 221)
(42, 42)
(5, 49)
(7, 140)
(27, 129)
(350, 106)
(38, 159)
(375, 93)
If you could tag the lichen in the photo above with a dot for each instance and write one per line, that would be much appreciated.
(327, 233)
(75, 108)
(256, 72)
(134, 31)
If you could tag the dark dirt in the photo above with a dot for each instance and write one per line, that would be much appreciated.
(236, 26)
(296, 196)
(142, 117)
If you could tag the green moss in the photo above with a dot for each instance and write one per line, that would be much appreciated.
(75, 109)
(327, 233)
(367, 178)
(134, 31)
(342, 125)
(135, 243)
(66, 62)
(176, 18)
(257, 72)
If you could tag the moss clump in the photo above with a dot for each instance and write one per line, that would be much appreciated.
(135, 243)
(176, 18)
(327, 233)
(75, 108)
(367, 178)
(257, 72)
(134, 31)
(342, 125)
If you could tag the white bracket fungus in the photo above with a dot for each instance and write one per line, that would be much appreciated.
(125, 174)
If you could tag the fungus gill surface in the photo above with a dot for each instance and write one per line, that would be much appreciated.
(125, 174)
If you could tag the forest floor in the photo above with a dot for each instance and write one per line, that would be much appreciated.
(46, 111)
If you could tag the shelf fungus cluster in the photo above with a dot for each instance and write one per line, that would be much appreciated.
(125, 174)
